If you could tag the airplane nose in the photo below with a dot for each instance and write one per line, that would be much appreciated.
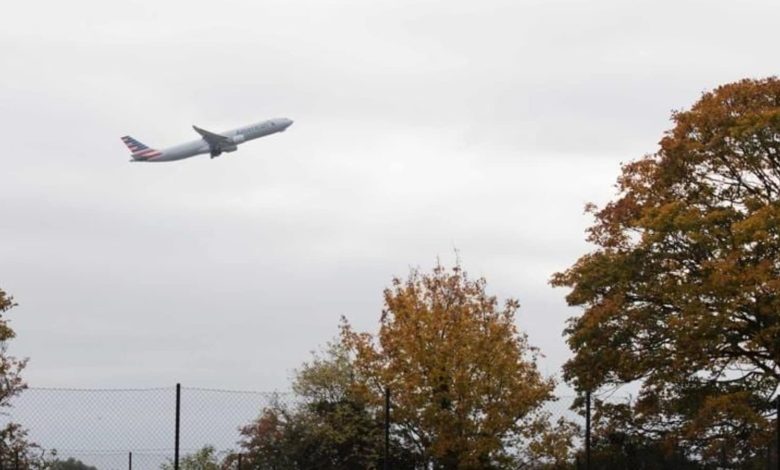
(289, 123)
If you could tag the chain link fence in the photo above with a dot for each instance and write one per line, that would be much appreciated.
(116, 428)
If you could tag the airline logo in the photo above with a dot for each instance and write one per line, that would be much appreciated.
(140, 151)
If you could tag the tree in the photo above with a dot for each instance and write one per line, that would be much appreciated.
(13, 437)
(681, 292)
(11, 383)
(205, 458)
(266, 441)
(328, 427)
(466, 391)
(16, 447)
(70, 464)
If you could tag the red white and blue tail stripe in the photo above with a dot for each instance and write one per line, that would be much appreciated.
(138, 150)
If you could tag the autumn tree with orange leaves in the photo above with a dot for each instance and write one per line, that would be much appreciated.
(682, 293)
(466, 391)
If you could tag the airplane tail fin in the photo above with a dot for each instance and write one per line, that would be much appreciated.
(138, 150)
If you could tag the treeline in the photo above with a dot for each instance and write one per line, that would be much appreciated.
(464, 385)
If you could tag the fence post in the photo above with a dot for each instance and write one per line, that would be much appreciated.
(386, 464)
(587, 429)
(130, 461)
(178, 416)
(777, 432)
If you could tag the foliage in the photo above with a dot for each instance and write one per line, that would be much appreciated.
(15, 446)
(622, 450)
(11, 383)
(466, 392)
(13, 437)
(330, 427)
(70, 464)
(205, 458)
(266, 441)
(682, 290)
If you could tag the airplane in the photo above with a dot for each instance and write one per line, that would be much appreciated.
(210, 142)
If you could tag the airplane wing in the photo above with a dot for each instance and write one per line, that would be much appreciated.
(217, 142)
(213, 139)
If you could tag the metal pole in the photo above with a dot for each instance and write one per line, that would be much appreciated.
(130, 461)
(16, 459)
(239, 461)
(777, 433)
(386, 465)
(178, 416)
(587, 430)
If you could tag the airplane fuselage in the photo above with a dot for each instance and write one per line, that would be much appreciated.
(202, 146)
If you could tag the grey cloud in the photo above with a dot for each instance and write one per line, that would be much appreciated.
(421, 127)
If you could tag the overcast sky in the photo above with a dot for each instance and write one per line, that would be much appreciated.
(421, 127)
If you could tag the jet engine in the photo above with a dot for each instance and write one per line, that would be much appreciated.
(215, 152)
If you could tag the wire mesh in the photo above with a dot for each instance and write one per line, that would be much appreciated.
(102, 427)
(110, 428)
(116, 428)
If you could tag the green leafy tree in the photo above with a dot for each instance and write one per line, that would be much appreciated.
(267, 441)
(330, 426)
(205, 458)
(682, 293)
(466, 390)
(70, 464)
